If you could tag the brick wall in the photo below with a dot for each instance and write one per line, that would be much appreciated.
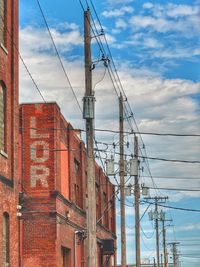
(9, 154)
(54, 187)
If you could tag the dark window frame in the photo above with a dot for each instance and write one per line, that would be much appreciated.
(4, 22)
(6, 239)
(3, 147)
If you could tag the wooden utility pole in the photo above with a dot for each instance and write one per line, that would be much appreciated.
(89, 116)
(164, 243)
(157, 234)
(137, 208)
(156, 218)
(161, 259)
(154, 262)
(122, 182)
(175, 254)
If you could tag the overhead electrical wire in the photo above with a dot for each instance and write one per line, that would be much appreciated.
(125, 132)
(149, 133)
(119, 83)
(172, 207)
(58, 54)
(63, 68)
(23, 62)
(175, 189)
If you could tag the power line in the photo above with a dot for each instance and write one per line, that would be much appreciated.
(58, 55)
(125, 132)
(173, 177)
(149, 133)
(172, 207)
(176, 189)
(163, 159)
(173, 160)
(62, 66)
(23, 62)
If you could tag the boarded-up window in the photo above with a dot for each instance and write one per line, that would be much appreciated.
(2, 20)
(6, 240)
(2, 117)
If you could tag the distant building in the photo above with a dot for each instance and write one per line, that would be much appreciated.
(54, 190)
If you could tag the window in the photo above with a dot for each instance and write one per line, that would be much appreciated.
(2, 20)
(105, 208)
(98, 209)
(76, 167)
(6, 240)
(2, 117)
(78, 184)
(66, 255)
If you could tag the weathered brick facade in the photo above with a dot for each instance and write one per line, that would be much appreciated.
(54, 192)
(9, 178)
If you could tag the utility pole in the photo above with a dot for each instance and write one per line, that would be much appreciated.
(175, 254)
(88, 114)
(154, 262)
(156, 218)
(122, 182)
(164, 240)
(164, 243)
(157, 234)
(137, 207)
(161, 259)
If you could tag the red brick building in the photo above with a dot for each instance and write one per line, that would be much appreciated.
(54, 192)
(9, 246)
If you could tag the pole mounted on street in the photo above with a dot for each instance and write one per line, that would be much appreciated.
(88, 114)
(163, 220)
(156, 218)
(122, 181)
(175, 253)
(137, 207)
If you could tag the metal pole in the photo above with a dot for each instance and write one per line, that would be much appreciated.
(164, 243)
(137, 208)
(122, 194)
(91, 195)
(161, 259)
(157, 233)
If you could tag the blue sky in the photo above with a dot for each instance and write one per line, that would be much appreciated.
(156, 49)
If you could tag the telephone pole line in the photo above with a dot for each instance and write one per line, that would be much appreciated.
(88, 114)
(137, 207)
(122, 182)
(164, 240)
(157, 234)
(175, 254)
(156, 218)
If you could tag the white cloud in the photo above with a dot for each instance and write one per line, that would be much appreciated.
(147, 5)
(164, 18)
(157, 24)
(118, 2)
(181, 10)
(40, 40)
(118, 12)
(121, 24)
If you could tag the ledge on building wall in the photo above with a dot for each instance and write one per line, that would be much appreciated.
(6, 181)
(68, 202)
(3, 48)
(107, 230)
(4, 154)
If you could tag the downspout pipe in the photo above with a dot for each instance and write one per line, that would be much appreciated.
(75, 234)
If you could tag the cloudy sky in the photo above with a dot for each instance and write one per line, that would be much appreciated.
(156, 49)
